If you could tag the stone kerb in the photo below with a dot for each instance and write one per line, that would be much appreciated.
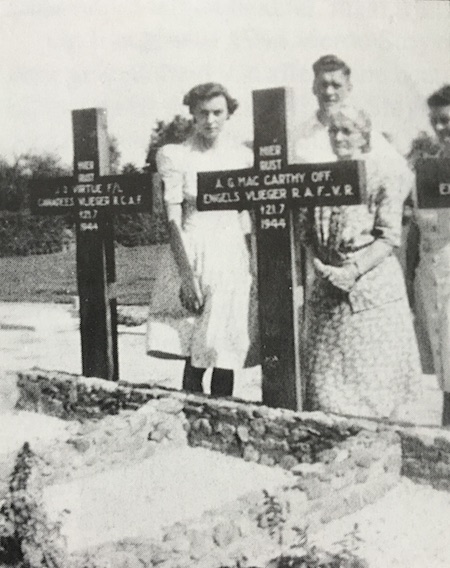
(426, 456)
(296, 441)
(251, 431)
(337, 465)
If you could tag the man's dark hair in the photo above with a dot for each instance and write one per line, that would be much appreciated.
(206, 91)
(440, 98)
(328, 63)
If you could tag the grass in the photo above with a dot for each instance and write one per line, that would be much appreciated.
(52, 277)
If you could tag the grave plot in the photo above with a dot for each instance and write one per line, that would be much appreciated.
(133, 480)
(154, 477)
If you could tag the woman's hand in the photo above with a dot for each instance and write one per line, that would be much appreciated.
(342, 277)
(191, 297)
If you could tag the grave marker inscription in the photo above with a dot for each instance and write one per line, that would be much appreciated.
(273, 189)
(433, 183)
(92, 197)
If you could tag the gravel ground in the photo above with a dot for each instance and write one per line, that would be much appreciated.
(47, 336)
(139, 501)
(16, 428)
(408, 528)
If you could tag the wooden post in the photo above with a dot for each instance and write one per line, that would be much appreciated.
(277, 278)
(433, 192)
(272, 189)
(93, 197)
(95, 252)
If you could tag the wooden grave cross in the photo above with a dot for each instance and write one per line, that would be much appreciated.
(273, 189)
(92, 197)
(433, 192)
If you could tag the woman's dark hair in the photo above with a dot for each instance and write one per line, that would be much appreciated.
(206, 91)
(440, 98)
(328, 63)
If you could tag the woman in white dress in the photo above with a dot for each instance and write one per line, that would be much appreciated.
(428, 257)
(211, 249)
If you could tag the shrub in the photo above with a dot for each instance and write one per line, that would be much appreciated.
(22, 234)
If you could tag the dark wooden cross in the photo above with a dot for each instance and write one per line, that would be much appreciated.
(433, 183)
(92, 197)
(433, 192)
(273, 189)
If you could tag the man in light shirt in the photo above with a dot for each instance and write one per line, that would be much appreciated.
(332, 87)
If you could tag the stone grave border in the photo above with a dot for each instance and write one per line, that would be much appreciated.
(249, 430)
(339, 465)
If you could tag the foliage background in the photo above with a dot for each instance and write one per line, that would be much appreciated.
(23, 234)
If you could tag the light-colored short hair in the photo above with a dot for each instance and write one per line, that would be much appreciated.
(360, 118)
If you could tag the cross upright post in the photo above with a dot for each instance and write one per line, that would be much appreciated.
(433, 192)
(277, 274)
(273, 188)
(96, 270)
(92, 196)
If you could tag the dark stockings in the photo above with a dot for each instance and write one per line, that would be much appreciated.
(222, 380)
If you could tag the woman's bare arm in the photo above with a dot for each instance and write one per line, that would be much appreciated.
(190, 293)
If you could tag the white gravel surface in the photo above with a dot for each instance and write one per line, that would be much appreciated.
(18, 428)
(47, 336)
(407, 528)
(138, 501)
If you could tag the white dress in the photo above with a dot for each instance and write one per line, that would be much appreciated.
(216, 247)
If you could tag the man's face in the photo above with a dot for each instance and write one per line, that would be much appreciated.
(331, 89)
(210, 116)
(440, 121)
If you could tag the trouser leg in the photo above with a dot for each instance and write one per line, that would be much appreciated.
(222, 381)
(192, 377)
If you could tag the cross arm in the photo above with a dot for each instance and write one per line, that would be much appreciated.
(118, 193)
(301, 185)
(433, 183)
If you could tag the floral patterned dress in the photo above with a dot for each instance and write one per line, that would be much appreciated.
(361, 354)
(224, 335)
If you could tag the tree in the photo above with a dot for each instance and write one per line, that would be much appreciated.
(173, 132)
(20, 232)
(130, 168)
(14, 178)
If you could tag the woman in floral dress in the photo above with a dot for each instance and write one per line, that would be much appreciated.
(361, 353)
(211, 249)
(428, 258)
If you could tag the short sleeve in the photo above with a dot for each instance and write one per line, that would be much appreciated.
(169, 164)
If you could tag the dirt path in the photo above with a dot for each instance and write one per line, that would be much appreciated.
(47, 336)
